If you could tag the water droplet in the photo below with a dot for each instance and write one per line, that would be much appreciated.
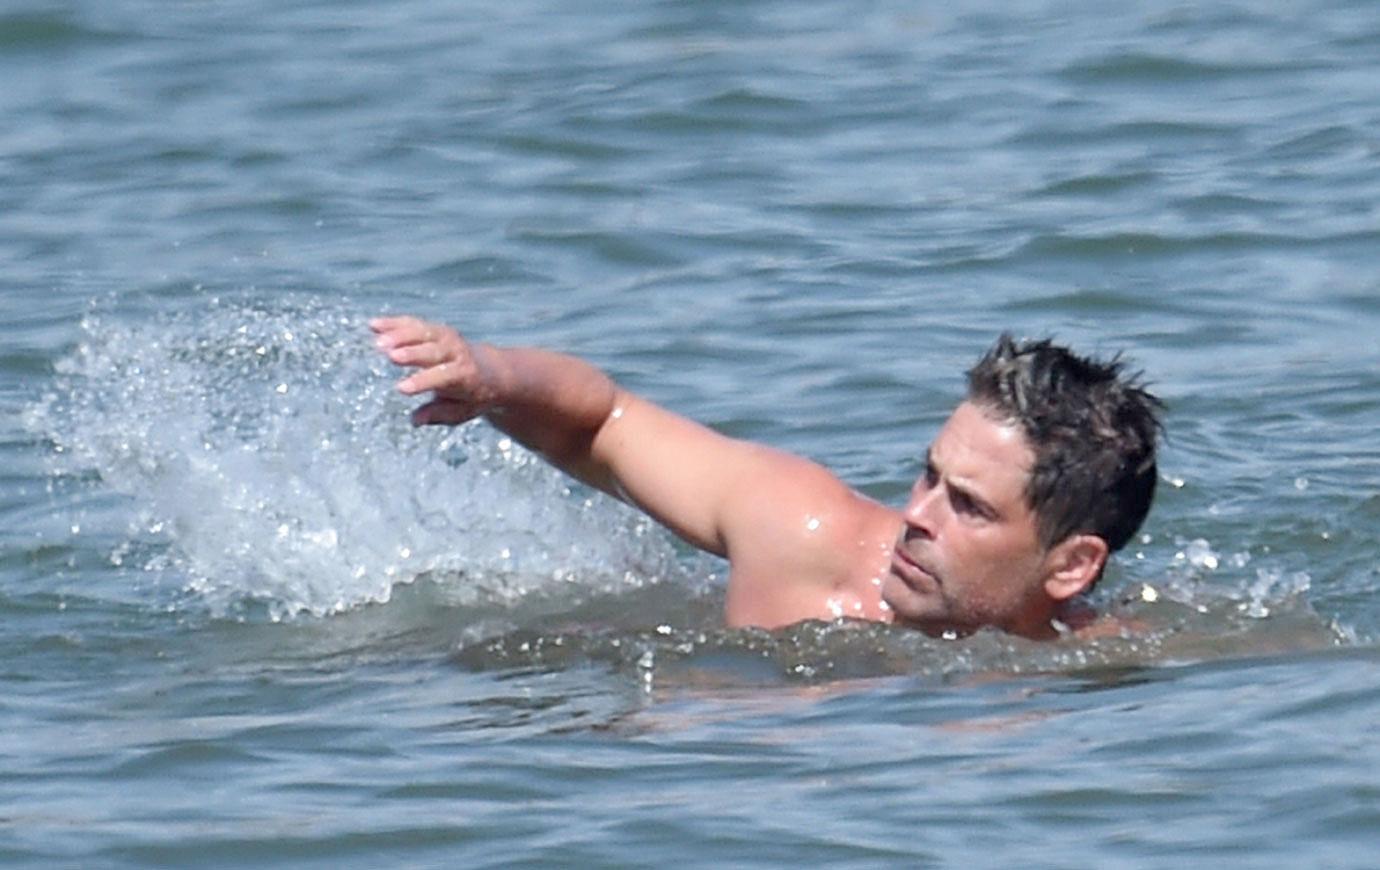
(1199, 554)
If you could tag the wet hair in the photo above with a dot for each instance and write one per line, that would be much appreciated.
(1092, 426)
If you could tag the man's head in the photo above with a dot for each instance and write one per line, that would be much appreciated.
(1048, 466)
(1092, 427)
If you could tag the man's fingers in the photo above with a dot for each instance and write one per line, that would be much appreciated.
(443, 364)
(404, 331)
(434, 378)
(443, 412)
(383, 324)
(388, 324)
(424, 355)
(389, 328)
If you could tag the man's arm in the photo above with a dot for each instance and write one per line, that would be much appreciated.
(730, 497)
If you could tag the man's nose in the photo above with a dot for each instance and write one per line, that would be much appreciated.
(921, 511)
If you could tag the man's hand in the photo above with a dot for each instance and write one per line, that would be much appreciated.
(459, 374)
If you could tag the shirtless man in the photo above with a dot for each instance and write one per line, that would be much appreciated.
(1044, 470)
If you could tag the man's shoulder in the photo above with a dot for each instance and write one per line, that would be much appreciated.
(799, 498)
(802, 536)
(814, 564)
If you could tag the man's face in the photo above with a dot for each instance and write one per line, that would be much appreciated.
(968, 554)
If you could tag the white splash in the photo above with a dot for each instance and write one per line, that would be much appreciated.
(265, 447)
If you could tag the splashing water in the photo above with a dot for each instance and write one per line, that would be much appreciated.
(268, 465)
(272, 464)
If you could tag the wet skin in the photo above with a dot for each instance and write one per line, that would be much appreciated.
(800, 543)
(967, 553)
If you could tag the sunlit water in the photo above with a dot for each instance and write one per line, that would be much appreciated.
(251, 616)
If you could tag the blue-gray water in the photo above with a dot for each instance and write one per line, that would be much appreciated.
(247, 616)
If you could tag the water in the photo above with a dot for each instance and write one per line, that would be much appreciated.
(249, 616)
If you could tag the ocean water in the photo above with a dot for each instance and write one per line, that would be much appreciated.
(248, 616)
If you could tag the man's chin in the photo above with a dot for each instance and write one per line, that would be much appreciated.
(911, 608)
(897, 595)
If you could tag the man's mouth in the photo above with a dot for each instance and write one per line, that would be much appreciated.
(912, 573)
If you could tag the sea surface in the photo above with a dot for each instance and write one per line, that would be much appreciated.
(250, 617)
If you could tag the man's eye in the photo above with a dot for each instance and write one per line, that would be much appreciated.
(931, 475)
(965, 504)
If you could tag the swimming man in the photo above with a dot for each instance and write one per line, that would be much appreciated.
(1044, 470)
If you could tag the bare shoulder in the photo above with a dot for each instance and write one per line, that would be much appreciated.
(798, 540)
(794, 496)
(796, 536)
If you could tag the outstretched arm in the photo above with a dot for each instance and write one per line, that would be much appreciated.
(720, 494)
(575, 416)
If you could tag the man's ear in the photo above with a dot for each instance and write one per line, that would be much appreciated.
(1075, 564)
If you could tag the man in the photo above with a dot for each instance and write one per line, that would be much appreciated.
(1045, 469)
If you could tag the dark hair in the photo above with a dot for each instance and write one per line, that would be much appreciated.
(1092, 426)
